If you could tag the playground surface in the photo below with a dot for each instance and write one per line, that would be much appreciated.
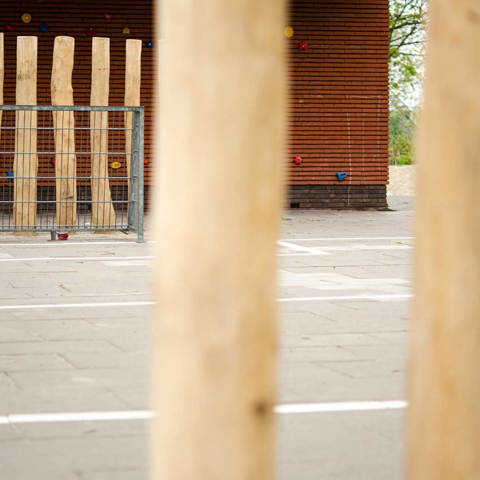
(74, 350)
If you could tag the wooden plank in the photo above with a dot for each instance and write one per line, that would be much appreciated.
(26, 162)
(64, 124)
(218, 204)
(2, 75)
(133, 78)
(103, 213)
(444, 387)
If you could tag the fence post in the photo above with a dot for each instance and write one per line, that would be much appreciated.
(2, 75)
(64, 125)
(133, 74)
(103, 214)
(217, 208)
(444, 385)
(26, 162)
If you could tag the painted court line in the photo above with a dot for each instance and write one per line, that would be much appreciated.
(294, 408)
(340, 239)
(74, 259)
(43, 306)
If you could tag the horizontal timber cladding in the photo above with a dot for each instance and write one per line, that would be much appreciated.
(338, 108)
(82, 20)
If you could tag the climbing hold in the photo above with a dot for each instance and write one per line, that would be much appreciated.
(9, 28)
(146, 162)
(108, 17)
(116, 165)
(341, 176)
(43, 28)
(126, 31)
(10, 174)
(288, 32)
(62, 236)
(297, 160)
(26, 18)
(302, 45)
(149, 44)
(90, 31)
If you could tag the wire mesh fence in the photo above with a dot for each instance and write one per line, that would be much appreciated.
(68, 169)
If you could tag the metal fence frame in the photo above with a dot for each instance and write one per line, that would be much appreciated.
(136, 181)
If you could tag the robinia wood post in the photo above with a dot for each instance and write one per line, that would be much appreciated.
(103, 213)
(25, 165)
(217, 213)
(64, 124)
(133, 77)
(444, 413)
(2, 74)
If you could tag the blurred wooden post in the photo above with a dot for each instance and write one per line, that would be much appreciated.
(218, 203)
(25, 164)
(133, 77)
(2, 75)
(64, 124)
(103, 214)
(444, 416)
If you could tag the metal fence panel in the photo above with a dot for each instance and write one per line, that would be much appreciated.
(69, 169)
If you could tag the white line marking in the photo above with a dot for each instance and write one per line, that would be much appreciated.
(74, 259)
(340, 239)
(293, 408)
(340, 407)
(301, 248)
(48, 243)
(377, 298)
(76, 305)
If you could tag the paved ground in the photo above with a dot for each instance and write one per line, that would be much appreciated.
(344, 287)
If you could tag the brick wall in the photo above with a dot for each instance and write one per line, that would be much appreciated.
(338, 118)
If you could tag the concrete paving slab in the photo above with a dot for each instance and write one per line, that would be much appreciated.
(96, 359)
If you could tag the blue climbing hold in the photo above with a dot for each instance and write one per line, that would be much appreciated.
(10, 174)
(341, 176)
(150, 44)
(43, 28)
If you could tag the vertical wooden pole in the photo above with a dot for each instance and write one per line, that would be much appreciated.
(133, 77)
(103, 214)
(444, 416)
(2, 75)
(26, 162)
(64, 124)
(218, 203)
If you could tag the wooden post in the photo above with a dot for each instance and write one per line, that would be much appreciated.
(133, 77)
(103, 214)
(26, 162)
(218, 204)
(444, 389)
(64, 124)
(2, 75)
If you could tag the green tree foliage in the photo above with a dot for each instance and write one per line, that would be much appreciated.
(402, 125)
(407, 42)
(407, 45)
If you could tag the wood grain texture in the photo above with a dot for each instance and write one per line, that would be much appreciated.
(444, 387)
(64, 124)
(133, 80)
(103, 213)
(2, 74)
(26, 162)
(218, 202)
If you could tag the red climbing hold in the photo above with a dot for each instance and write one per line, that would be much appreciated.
(303, 45)
(298, 160)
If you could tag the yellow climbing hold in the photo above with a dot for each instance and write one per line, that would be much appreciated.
(116, 165)
(288, 32)
(26, 18)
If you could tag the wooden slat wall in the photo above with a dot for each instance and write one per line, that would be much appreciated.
(72, 19)
(338, 88)
(339, 91)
